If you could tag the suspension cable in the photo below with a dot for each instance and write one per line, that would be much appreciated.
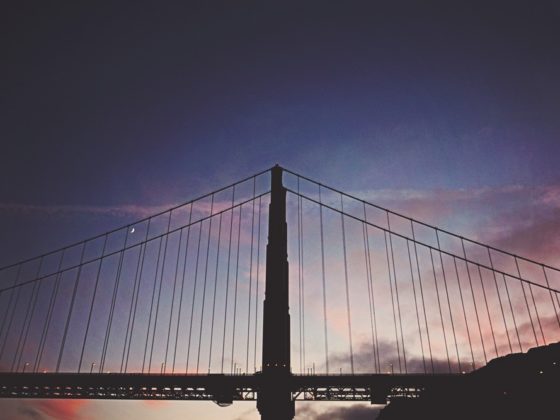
(398, 235)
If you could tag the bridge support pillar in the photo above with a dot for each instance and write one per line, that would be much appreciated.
(274, 400)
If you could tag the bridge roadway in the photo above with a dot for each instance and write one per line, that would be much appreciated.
(223, 389)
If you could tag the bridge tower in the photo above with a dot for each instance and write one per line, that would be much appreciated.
(274, 398)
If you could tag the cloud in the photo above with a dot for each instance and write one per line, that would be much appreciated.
(364, 360)
(353, 412)
(51, 409)
(123, 210)
(28, 411)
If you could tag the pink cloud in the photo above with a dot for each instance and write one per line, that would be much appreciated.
(62, 409)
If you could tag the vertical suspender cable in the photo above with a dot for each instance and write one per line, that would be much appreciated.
(448, 301)
(173, 301)
(50, 311)
(133, 297)
(512, 313)
(474, 301)
(193, 297)
(33, 307)
(368, 277)
(13, 310)
(416, 306)
(73, 299)
(396, 292)
(300, 329)
(95, 287)
(250, 277)
(346, 282)
(422, 295)
(160, 287)
(10, 300)
(323, 276)
(464, 312)
(179, 317)
(499, 299)
(302, 282)
(534, 304)
(257, 287)
(227, 278)
(113, 302)
(368, 261)
(236, 284)
(551, 298)
(151, 308)
(137, 292)
(440, 311)
(215, 290)
(392, 300)
(488, 311)
(205, 281)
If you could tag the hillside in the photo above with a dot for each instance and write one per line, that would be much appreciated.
(517, 386)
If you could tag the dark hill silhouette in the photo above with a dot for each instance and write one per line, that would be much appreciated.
(518, 386)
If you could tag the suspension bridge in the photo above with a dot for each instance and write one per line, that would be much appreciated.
(199, 302)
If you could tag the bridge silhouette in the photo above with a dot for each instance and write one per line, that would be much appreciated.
(193, 303)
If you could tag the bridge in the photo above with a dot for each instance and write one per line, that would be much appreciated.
(199, 302)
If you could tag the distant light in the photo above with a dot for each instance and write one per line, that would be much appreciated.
(541, 372)
(132, 230)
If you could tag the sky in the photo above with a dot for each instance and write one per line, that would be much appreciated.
(446, 111)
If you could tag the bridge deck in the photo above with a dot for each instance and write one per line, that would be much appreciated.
(215, 387)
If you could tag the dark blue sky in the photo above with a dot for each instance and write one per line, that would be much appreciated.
(138, 103)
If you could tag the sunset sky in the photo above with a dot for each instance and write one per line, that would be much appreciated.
(443, 111)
